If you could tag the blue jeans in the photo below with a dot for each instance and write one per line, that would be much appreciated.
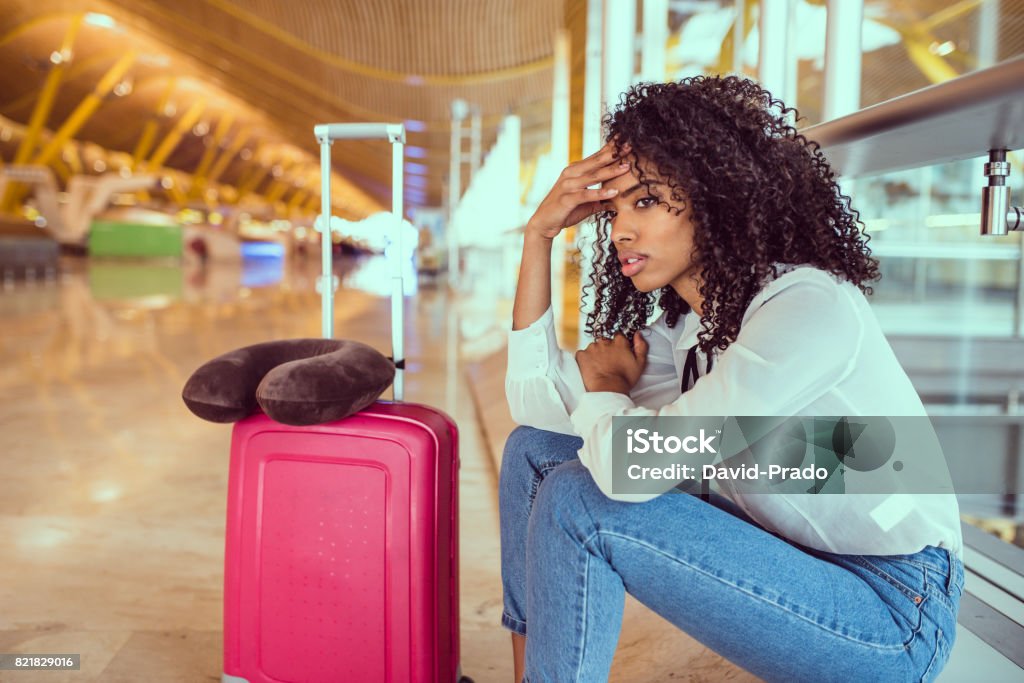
(780, 610)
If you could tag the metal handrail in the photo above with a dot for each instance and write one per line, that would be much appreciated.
(959, 119)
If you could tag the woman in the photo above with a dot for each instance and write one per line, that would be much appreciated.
(712, 206)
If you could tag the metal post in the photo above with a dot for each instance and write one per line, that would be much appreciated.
(327, 277)
(843, 55)
(398, 257)
(988, 33)
(655, 37)
(459, 110)
(739, 34)
(559, 158)
(592, 103)
(619, 48)
(772, 51)
(475, 155)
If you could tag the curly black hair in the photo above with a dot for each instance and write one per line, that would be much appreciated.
(760, 194)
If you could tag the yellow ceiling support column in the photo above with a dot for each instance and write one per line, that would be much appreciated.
(279, 186)
(177, 194)
(169, 143)
(297, 199)
(152, 126)
(917, 38)
(277, 190)
(70, 156)
(252, 181)
(199, 177)
(727, 54)
(86, 108)
(229, 154)
(935, 68)
(312, 204)
(44, 105)
(63, 172)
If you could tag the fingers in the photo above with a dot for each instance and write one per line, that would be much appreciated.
(604, 156)
(640, 347)
(601, 175)
(598, 195)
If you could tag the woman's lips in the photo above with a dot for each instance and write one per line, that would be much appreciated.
(631, 269)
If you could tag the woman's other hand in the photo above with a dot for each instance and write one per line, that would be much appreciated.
(613, 364)
(569, 201)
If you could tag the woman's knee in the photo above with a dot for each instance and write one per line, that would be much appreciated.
(530, 452)
(566, 496)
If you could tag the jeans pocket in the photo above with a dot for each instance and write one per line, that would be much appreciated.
(903, 587)
(939, 658)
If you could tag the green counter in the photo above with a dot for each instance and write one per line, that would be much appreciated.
(135, 240)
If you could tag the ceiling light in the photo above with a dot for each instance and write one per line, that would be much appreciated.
(415, 152)
(125, 172)
(99, 166)
(414, 126)
(246, 154)
(101, 20)
(155, 60)
(167, 182)
(170, 109)
(123, 88)
(201, 129)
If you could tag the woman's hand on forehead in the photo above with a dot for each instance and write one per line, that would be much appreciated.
(572, 199)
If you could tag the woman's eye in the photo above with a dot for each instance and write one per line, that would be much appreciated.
(609, 214)
(646, 202)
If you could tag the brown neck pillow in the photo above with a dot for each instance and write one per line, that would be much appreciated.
(294, 381)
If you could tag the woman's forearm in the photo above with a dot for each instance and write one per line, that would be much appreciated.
(533, 291)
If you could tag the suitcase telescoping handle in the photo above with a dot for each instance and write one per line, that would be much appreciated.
(394, 133)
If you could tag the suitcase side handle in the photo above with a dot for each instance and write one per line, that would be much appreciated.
(394, 133)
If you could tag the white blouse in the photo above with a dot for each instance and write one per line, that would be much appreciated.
(809, 344)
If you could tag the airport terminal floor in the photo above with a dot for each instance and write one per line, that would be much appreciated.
(112, 504)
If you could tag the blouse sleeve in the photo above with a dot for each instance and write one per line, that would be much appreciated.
(801, 341)
(543, 384)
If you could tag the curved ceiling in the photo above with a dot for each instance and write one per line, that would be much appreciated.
(275, 69)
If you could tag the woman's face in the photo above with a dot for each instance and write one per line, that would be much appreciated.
(655, 245)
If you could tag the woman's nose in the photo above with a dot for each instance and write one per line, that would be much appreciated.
(621, 233)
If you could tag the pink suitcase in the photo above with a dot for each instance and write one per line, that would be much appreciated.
(341, 559)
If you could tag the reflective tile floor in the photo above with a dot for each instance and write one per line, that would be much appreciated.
(112, 498)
